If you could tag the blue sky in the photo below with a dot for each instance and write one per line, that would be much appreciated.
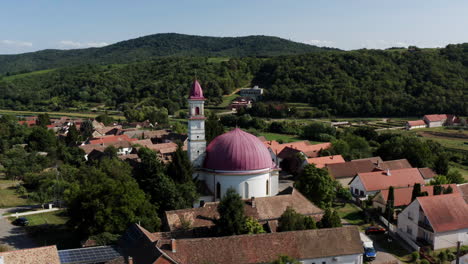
(30, 25)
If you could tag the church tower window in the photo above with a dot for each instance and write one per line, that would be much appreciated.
(218, 190)
(246, 190)
(267, 187)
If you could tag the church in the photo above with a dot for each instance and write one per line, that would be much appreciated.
(235, 159)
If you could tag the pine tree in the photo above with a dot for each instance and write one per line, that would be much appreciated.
(438, 189)
(416, 191)
(213, 127)
(180, 169)
(330, 219)
(231, 214)
(390, 204)
(73, 136)
(448, 190)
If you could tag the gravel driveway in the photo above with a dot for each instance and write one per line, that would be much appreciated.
(14, 236)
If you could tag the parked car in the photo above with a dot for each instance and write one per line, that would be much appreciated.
(22, 221)
(375, 230)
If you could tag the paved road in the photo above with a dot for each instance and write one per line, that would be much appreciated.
(14, 236)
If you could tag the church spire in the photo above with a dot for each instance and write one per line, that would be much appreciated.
(196, 93)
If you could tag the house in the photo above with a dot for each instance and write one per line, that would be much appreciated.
(439, 221)
(241, 102)
(402, 196)
(307, 246)
(95, 151)
(393, 165)
(254, 93)
(435, 120)
(415, 124)
(345, 172)
(264, 209)
(427, 174)
(46, 254)
(321, 162)
(369, 183)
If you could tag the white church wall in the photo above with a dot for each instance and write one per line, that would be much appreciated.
(256, 184)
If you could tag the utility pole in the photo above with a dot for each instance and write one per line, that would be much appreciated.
(458, 252)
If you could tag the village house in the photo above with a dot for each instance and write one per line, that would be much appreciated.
(266, 210)
(307, 246)
(322, 162)
(255, 93)
(369, 183)
(96, 151)
(48, 254)
(428, 174)
(439, 221)
(415, 124)
(240, 102)
(345, 172)
(402, 196)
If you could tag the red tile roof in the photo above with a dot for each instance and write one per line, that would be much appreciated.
(265, 208)
(463, 188)
(403, 195)
(394, 164)
(311, 150)
(39, 255)
(435, 118)
(350, 169)
(237, 150)
(29, 123)
(111, 139)
(321, 162)
(265, 248)
(416, 123)
(380, 180)
(445, 212)
(427, 173)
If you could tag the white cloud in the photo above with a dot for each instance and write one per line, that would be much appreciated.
(16, 43)
(320, 42)
(75, 44)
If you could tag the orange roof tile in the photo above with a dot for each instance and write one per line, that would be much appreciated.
(321, 162)
(416, 123)
(110, 139)
(380, 180)
(403, 195)
(445, 212)
(436, 118)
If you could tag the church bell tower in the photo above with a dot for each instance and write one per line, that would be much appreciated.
(196, 126)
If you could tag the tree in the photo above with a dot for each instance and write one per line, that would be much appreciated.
(180, 169)
(416, 191)
(73, 136)
(252, 226)
(448, 190)
(454, 176)
(319, 131)
(213, 127)
(41, 139)
(43, 120)
(438, 189)
(87, 128)
(41, 196)
(441, 165)
(106, 199)
(389, 207)
(231, 214)
(330, 219)
(105, 119)
(290, 220)
(316, 185)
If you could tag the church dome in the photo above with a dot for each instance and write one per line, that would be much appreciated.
(237, 150)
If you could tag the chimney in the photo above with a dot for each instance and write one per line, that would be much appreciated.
(253, 202)
(173, 245)
(130, 260)
(388, 172)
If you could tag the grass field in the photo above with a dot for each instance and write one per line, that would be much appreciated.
(218, 59)
(51, 229)
(54, 114)
(227, 100)
(51, 218)
(17, 76)
(351, 213)
(8, 196)
(462, 169)
(280, 137)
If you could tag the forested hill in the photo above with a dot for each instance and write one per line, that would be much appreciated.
(152, 46)
(353, 83)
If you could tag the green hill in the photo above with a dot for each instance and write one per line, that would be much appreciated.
(153, 46)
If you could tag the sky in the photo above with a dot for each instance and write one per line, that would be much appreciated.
(31, 25)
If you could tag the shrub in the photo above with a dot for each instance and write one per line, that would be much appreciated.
(415, 256)
(450, 256)
(5, 248)
(424, 261)
(442, 256)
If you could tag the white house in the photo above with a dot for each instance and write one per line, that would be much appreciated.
(440, 221)
(415, 124)
(369, 183)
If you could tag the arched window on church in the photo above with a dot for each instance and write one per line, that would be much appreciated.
(197, 110)
(246, 190)
(218, 190)
(267, 187)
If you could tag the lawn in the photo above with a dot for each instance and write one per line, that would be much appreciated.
(281, 137)
(351, 213)
(13, 77)
(51, 229)
(9, 198)
(462, 169)
(227, 100)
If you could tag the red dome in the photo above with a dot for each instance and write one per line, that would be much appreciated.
(196, 93)
(237, 150)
